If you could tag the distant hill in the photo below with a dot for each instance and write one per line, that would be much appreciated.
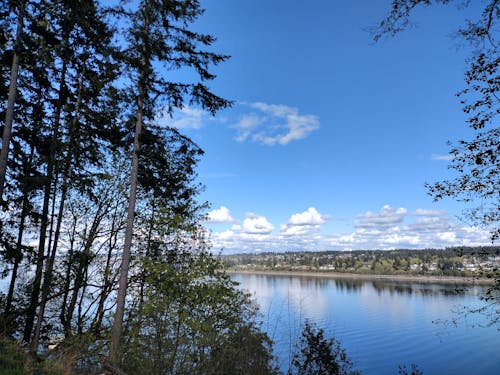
(457, 261)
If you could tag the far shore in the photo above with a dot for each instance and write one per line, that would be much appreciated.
(357, 276)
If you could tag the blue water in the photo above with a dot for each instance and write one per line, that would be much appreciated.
(381, 324)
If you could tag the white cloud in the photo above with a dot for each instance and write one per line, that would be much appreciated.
(388, 229)
(226, 235)
(429, 224)
(274, 124)
(220, 215)
(387, 217)
(309, 217)
(257, 225)
(298, 230)
(185, 118)
(254, 234)
(303, 224)
(398, 239)
(447, 236)
(268, 124)
(446, 157)
(246, 126)
(236, 227)
(430, 213)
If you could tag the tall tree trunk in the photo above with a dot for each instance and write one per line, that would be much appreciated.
(125, 263)
(19, 242)
(9, 114)
(83, 263)
(108, 282)
(116, 330)
(18, 257)
(35, 292)
(66, 324)
(37, 282)
(49, 267)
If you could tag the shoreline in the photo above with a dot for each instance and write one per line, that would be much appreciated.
(430, 279)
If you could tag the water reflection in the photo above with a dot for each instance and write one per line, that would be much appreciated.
(349, 285)
(424, 289)
(382, 323)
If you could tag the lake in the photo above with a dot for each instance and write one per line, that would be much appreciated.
(381, 324)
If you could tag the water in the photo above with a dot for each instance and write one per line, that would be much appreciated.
(381, 324)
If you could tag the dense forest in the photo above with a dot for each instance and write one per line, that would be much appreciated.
(460, 261)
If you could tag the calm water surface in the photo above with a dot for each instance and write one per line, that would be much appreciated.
(381, 324)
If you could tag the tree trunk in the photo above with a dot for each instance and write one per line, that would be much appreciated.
(108, 282)
(20, 233)
(125, 263)
(31, 310)
(18, 257)
(35, 293)
(9, 114)
(66, 324)
(49, 267)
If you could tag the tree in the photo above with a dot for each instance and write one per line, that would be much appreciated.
(156, 35)
(9, 113)
(320, 356)
(187, 317)
(85, 122)
(476, 161)
(66, 78)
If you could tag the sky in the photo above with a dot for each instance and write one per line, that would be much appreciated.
(332, 136)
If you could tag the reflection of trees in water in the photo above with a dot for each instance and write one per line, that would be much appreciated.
(396, 288)
(316, 282)
(271, 282)
(349, 285)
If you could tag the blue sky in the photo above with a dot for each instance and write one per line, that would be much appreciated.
(332, 136)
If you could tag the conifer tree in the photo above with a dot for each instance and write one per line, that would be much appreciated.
(68, 110)
(9, 113)
(157, 35)
(86, 123)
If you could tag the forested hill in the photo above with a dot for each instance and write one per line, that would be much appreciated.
(458, 261)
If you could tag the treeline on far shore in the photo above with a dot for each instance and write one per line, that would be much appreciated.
(457, 261)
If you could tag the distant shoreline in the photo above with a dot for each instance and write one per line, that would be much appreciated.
(432, 279)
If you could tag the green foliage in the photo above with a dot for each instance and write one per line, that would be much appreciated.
(383, 267)
(189, 318)
(79, 97)
(320, 356)
(459, 261)
(14, 360)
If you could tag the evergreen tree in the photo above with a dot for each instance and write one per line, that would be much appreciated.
(157, 35)
(19, 8)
